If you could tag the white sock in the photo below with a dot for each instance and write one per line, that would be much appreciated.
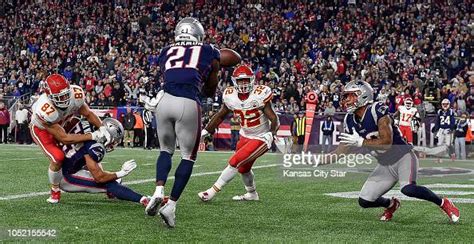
(226, 176)
(55, 178)
(248, 179)
(172, 203)
(159, 192)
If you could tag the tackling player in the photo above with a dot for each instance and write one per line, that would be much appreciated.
(259, 125)
(189, 68)
(407, 116)
(58, 103)
(369, 125)
(94, 179)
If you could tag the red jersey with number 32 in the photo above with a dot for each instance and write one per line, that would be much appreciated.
(45, 112)
(253, 121)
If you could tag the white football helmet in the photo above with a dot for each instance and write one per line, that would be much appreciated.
(189, 30)
(363, 91)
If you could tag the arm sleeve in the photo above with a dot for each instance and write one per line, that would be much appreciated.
(95, 150)
(216, 53)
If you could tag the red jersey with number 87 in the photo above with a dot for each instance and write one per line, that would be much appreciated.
(44, 110)
(253, 121)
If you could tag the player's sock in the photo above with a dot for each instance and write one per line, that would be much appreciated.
(226, 176)
(54, 179)
(182, 175)
(379, 202)
(159, 192)
(248, 179)
(421, 192)
(171, 203)
(163, 166)
(122, 192)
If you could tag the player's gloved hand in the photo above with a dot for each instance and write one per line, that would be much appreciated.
(268, 138)
(447, 131)
(127, 168)
(353, 139)
(98, 136)
(204, 133)
(106, 133)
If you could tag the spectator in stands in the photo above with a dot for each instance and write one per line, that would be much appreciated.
(460, 136)
(21, 117)
(327, 129)
(294, 47)
(4, 123)
(128, 122)
(330, 110)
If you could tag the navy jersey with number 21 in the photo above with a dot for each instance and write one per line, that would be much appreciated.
(186, 67)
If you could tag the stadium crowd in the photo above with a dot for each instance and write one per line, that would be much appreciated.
(110, 48)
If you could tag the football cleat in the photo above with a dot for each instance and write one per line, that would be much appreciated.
(55, 196)
(205, 196)
(451, 210)
(167, 213)
(247, 197)
(388, 213)
(145, 201)
(152, 206)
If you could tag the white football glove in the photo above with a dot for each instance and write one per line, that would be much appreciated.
(98, 136)
(352, 139)
(127, 168)
(268, 138)
(204, 133)
(107, 136)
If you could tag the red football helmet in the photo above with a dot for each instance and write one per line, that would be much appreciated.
(243, 79)
(408, 102)
(58, 90)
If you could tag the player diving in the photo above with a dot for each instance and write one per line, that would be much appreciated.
(82, 169)
(369, 125)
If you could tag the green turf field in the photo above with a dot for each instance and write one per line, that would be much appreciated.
(289, 210)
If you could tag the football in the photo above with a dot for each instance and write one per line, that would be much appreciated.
(229, 57)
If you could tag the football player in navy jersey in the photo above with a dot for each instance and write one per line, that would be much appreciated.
(190, 68)
(445, 125)
(369, 125)
(82, 171)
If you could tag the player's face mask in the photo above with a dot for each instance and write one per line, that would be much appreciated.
(62, 99)
(408, 104)
(445, 106)
(349, 100)
(244, 85)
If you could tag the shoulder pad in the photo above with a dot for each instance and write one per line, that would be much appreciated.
(263, 93)
(345, 124)
(47, 113)
(95, 150)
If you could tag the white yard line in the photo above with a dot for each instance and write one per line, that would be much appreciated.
(133, 182)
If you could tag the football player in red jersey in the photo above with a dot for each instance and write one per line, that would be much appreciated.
(55, 106)
(259, 125)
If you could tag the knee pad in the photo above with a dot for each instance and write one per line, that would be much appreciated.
(409, 190)
(364, 203)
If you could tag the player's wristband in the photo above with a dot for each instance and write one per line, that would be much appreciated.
(120, 174)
